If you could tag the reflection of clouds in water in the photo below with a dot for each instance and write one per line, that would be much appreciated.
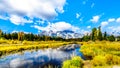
(4, 66)
(20, 63)
(37, 59)
(54, 54)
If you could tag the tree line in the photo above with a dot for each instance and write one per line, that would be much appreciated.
(96, 34)
(21, 36)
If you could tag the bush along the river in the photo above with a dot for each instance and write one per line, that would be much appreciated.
(75, 62)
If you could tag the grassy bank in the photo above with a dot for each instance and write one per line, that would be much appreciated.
(13, 46)
(101, 54)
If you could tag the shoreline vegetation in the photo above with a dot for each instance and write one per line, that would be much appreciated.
(12, 46)
(102, 54)
(99, 54)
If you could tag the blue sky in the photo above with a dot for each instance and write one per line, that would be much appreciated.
(57, 15)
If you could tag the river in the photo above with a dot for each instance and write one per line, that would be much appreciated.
(39, 58)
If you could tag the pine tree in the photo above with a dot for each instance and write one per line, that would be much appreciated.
(105, 36)
(94, 34)
(86, 38)
(99, 33)
(111, 38)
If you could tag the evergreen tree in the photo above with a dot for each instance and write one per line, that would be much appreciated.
(86, 38)
(99, 33)
(111, 38)
(94, 34)
(0, 33)
(31, 37)
(5, 35)
(105, 36)
(8, 36)
(14, 35)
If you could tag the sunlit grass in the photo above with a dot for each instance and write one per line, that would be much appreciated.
(102, 53)
(13, 46)
(75, 62)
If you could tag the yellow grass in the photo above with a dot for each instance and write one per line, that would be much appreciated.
(102, 54)
(10, 46)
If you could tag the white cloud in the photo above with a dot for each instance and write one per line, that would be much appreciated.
(104, 23)
(95, 19)
(77, 15)
(111, 20)
(114, 30)
(58, 26)
(118, 20)
(85, 32)
(4, 17)
(19, 20)
(88, 27)
(43, 9)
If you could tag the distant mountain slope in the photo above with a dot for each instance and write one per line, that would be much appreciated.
(66, 34)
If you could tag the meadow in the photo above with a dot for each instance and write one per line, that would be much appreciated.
(99, 54)
(14, 46)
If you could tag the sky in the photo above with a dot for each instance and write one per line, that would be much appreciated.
(79, 16)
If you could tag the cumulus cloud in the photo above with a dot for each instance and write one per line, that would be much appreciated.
(114, 20)
(111, 20)
(58, 26)
(118, 20)
(85, 32)
(104, 23)
(114, 30)
(17, 20)
(95, 19)
(43, 9)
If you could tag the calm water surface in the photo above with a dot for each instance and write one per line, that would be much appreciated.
(38, 59)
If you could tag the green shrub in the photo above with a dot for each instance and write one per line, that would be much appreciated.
(75, 62)
(66, 64)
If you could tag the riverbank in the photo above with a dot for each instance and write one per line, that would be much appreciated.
(99, 54)
(14, 46)
(41, 58)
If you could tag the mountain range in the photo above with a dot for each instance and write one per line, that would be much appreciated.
(66, 34)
